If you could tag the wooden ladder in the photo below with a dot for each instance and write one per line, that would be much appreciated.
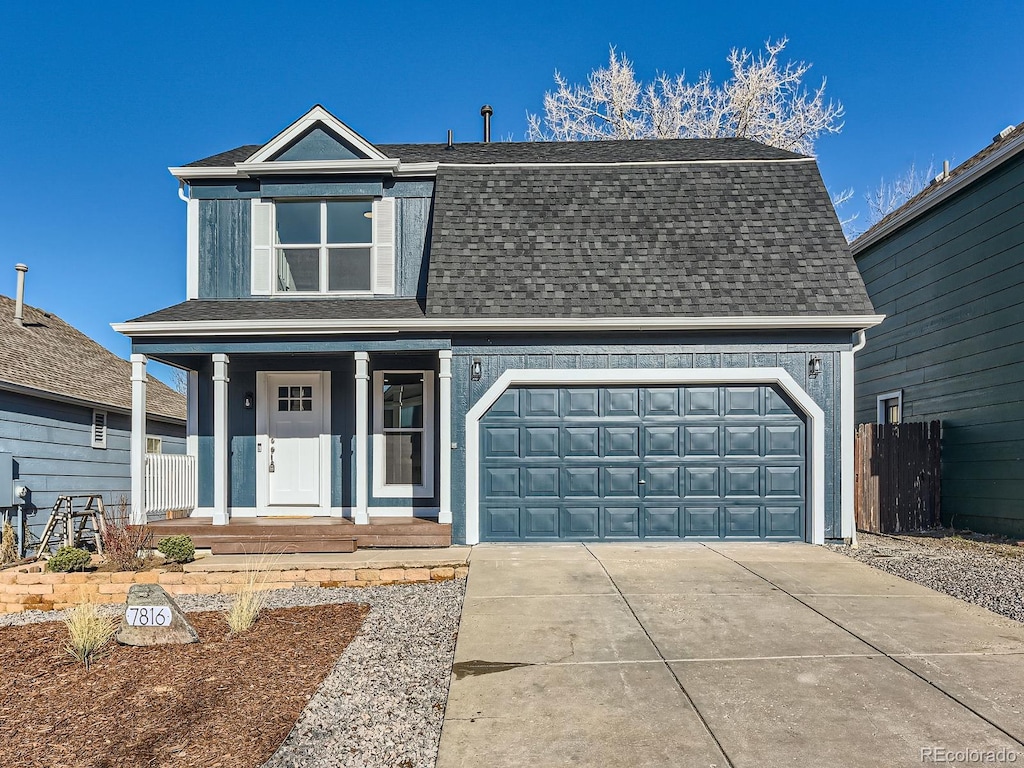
(64, 513)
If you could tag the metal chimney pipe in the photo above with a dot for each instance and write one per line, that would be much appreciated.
(19, 304)
(486, 112)
(945, 169)
(451, 139)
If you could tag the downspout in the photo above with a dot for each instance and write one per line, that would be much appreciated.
(181, 191)
(860, 340)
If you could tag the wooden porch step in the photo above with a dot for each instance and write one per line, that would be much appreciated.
(285, 545)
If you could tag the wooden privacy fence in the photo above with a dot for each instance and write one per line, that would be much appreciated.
(897, 480)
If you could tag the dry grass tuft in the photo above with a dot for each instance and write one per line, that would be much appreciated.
(89, 631)
(8, 544)
(251, 598)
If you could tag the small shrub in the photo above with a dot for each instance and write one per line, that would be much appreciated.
(124, 544)
(88, 632)
(177, 549)
(8, 544)
(69, 559)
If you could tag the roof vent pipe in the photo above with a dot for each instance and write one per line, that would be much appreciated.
(451, 140)
(945, 169)
(19, 305)
(486, 112)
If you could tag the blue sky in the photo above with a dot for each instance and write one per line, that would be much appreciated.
(97, 99)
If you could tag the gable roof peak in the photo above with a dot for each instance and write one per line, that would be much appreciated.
(317, 115)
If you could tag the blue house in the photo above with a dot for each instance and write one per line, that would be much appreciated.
(65, 413)
(524, 341)
(947, 269)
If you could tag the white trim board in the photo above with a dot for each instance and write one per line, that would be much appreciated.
(137, 329)
(317, 114)
(814, 530)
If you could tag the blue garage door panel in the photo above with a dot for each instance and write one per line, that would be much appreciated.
(663, 462)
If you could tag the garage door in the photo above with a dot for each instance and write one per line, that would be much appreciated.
(662, 462)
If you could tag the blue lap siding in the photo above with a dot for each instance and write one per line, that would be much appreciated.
(53, 455)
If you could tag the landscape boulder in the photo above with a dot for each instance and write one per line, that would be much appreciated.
(151, 617)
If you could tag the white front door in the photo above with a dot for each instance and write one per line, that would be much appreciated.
(295, 408)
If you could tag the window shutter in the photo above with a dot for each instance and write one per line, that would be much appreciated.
(262, 247)
(99, 429)
(384, 245)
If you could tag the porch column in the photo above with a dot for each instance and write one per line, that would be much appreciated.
(138, 441)
(361, 510)
(444, 514)
(221, 489)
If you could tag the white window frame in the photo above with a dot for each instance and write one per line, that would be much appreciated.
(381, 489)
(99, 440)
(156, 442)
(323, 247)
(883, 399)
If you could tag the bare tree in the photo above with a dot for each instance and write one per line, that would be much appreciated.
(179, 381)
(763, 100)
(849, 223)
(892, 194)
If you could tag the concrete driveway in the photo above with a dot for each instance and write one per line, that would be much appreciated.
(753, 655)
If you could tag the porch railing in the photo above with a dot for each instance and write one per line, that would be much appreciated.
(170, 483)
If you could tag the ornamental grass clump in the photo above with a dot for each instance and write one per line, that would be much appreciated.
(88, 633)
(250, 600)
(69, 559)
(177, 549)
(8, 544)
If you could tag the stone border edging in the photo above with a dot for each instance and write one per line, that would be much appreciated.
(26, 588)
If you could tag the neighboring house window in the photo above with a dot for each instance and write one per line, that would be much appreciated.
(99, 429)
(890, 408)
(403, 433)
(154, 445)
(324, 246)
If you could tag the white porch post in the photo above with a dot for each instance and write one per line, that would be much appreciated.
(221, 489)
(361, 509)
(847, 436)
(444, 394)
(138, 441)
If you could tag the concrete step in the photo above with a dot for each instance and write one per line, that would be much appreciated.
(289, 545)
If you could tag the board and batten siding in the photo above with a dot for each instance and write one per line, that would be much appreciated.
(496, 358)
(951, 285)
(53, 454)
(225, 231)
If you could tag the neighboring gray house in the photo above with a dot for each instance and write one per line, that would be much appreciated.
(65, 412)
(530, 341)
(947, 270)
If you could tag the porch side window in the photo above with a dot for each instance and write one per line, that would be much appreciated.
(323, 246)
(403, 433)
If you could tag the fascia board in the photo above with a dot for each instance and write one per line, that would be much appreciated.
(283, 327)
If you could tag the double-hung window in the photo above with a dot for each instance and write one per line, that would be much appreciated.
(403, 434)
(323, 246)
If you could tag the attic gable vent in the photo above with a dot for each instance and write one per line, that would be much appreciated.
(99, 429)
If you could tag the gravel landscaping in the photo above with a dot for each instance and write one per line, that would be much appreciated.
(383, 705)
(977, 569)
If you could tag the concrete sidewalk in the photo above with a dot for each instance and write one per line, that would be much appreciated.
(754, 655)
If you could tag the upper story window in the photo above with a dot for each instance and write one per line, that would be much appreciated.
(324, 246)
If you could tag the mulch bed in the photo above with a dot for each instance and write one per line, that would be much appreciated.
(227, 701)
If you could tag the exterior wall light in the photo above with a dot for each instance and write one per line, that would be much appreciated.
(248, 401)
(476, 370)
(814, 366)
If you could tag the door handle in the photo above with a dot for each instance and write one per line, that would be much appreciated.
(643, 482)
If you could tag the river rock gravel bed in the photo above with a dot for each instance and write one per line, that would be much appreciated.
(978, 570)
(383, 704)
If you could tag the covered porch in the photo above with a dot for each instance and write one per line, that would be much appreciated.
(311, 445)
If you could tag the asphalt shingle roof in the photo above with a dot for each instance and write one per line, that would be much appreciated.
(286, 309)
(48, 355)
(552, 152)
(692, 240)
